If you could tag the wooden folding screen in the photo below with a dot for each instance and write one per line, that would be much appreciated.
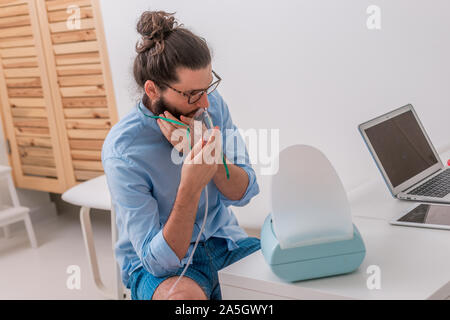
(56, 91)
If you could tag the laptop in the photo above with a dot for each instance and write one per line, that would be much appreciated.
(406, 158)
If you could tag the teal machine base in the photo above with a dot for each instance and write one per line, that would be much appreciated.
(311, 261)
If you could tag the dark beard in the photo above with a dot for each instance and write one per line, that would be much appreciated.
(159, 106)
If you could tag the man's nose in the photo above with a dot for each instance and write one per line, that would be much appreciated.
(203, 102)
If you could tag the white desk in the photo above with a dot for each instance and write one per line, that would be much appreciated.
(414, 262)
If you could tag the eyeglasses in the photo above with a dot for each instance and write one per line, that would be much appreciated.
(195, 95)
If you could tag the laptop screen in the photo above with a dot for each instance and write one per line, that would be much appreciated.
(401, 146)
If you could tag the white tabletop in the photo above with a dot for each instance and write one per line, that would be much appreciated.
(414, 262)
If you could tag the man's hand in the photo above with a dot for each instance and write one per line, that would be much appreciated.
(201, 163)
(176, 134)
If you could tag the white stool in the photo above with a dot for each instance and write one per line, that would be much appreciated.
(9, 215)
(94, 193)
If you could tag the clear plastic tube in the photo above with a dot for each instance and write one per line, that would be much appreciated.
(195, 245)
(202, 118)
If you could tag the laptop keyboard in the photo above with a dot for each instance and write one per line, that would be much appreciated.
(437, 187)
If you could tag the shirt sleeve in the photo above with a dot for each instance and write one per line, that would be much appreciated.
(137, 211)
(235, 151)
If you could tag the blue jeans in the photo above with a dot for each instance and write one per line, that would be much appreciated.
(209, 257)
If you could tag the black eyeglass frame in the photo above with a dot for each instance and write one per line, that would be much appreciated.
(189, 95)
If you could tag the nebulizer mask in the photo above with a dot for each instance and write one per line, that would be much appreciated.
(201, 127)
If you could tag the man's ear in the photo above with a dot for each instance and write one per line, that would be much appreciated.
(151, 90)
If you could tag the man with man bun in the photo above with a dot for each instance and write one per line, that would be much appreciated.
(159, 203)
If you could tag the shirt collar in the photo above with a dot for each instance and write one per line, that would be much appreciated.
(145, 114)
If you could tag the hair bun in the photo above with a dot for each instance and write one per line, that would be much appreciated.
(155, 26)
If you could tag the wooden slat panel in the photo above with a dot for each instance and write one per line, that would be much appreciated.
(81, 175)
(39, 171)
(77, 144)
(23, 82)
(63, 27)
(29, 112)
(14, 10)
(16, 42)
(20, 62)
(25, 92)
(88, 124)
(79, 69)
(27, 103)
(18, 52)
(86, 155)
(38, 161)
(34, 132)
(87, 165)
(74, 36)
(15, 21)
(46, 184)
(30, 122)
(91, 113)
(21, 72)
(77, 58)
(34, 142)
(7, 3)
(16, 32)
(36, 152)
(87, 134)
(84, 102)
(85, 91)
(89, 80)
(75, 47)
(63, 4)
(62, 15)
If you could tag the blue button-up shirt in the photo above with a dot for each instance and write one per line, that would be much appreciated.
(143, 182)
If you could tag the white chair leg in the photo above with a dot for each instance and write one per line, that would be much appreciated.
(30, 231)
(7, 232)
(86, 228)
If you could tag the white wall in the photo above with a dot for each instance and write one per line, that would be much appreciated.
(309, 68)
